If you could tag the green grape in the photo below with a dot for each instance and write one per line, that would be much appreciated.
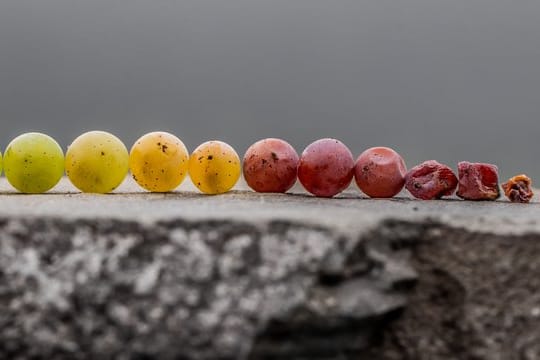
(97, 162)
(33, 163)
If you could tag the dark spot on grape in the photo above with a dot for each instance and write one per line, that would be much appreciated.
(164, 148)
(102, 153)
(264, 161)
(274, 156)
(210, 157)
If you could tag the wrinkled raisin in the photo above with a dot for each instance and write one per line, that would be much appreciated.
(518, 189)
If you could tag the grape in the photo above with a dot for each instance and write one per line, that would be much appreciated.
(518, 189)
(326, 167)
(380, 172)
(271, 165)
(214, 167)
(159, 161)
(34, 163)
(478, 181)
(97, 162)
(1, 162)
(431, 180)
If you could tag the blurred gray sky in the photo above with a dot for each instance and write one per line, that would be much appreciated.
(449, 80)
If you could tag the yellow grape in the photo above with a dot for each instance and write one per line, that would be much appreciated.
(97, 162)
(214, 167)
(34, 163)
(159, 161)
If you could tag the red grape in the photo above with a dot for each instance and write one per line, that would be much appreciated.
(270, 165)
(380, 172)
(431, 180)
(326, 167)
(478, 181)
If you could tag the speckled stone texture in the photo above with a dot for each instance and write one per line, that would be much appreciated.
(203, 290)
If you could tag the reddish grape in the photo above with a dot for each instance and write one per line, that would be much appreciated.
(431, 180)
(326, 167)
(518, 189)
(380, 172)
(271, 165)
(478, 181)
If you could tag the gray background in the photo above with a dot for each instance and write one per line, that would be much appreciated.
(443, 79)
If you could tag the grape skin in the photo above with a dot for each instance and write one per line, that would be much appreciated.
(326, 167)
(270, 165)
(380, 172)
(159, 162)
(214, 167)
(97, 162)
(33, 163)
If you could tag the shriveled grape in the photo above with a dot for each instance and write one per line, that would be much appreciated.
(97, 162)
(478, 181)
(431, 180)
(380, 172)
(214, 167)
(326, 167)
(159, 161)
(270, 165)
(33, 163)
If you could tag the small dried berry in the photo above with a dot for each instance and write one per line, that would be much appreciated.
(431, 180)
(518, 189)
(478, 181)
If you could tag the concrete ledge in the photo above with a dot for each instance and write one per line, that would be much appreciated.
(251, 276)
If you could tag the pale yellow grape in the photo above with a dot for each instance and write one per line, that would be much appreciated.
(97, 162)
(34, 163)
(214, 167)
(159, 161)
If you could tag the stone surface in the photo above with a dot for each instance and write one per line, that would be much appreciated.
(249, 276)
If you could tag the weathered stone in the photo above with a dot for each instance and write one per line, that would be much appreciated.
(248, 276)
